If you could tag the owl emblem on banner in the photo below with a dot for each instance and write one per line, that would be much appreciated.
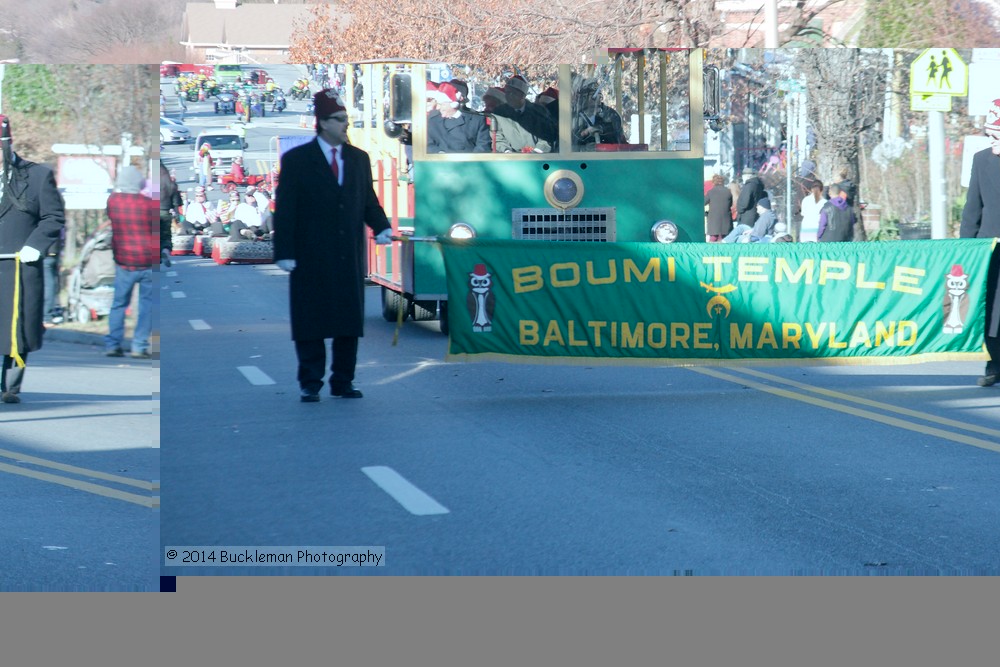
(480, 299)
(956, 305)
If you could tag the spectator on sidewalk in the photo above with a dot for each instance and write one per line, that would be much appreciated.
(836, 219)
(135, 243)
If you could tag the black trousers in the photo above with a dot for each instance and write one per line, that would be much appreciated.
(11, 376)
(992, 342)
(312, 363)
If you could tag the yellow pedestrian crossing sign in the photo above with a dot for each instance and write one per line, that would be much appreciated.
(930, 102)
(939, 72)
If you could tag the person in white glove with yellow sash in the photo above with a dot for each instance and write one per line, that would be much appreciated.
(32, 215)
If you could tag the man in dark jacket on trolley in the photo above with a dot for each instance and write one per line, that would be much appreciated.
(981, 219)
(32, 215)
(453, 130)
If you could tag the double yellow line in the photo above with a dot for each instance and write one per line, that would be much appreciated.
(813, 394)
(151, 501)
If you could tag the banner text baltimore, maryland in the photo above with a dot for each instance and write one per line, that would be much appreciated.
(707, 303)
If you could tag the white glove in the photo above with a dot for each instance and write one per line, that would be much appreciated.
(384, 237)
(165, 257)
(286, 264)
(29, 254)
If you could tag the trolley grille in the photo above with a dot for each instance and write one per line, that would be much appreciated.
(578, 224)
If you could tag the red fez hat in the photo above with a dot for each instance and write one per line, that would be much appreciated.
(992, 124)
(327, 102)
(517, 82)
(551, 93)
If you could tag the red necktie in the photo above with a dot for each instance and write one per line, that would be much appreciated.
(333, 165)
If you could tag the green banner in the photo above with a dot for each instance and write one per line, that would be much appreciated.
(700, 303)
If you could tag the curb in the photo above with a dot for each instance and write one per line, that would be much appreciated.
(70, 336)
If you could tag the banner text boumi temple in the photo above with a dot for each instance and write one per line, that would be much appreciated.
(713, 303)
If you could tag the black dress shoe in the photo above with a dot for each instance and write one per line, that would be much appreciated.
(988, 380)
(347, 392)
(307, 396)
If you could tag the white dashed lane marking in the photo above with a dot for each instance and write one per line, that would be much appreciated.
(403, 492)
(199, 325)
(255, 376)
(178, 295)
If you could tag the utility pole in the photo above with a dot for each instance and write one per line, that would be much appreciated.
(770, 24)
(935, 155)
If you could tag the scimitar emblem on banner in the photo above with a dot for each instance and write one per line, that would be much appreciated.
(719, 303)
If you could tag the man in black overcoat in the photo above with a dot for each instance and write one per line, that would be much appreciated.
(751, 193)
(323, 202)
(32, 215)
(981, 219)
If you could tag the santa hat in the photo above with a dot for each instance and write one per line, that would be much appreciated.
(448, 94)
(550, 94)
(517, 82)
(992, 124)
(327, 102)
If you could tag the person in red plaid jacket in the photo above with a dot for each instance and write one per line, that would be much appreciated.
(135, 242)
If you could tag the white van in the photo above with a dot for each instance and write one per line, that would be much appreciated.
(226, 144)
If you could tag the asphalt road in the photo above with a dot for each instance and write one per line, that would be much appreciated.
(518, 469)
(79, 471)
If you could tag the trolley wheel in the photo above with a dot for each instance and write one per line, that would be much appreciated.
(82, 314)
(424, 310)
(443, 309)
(392, 302)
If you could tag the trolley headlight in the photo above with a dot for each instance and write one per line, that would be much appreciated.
(461, 230)
(563, 189)
(664, 231)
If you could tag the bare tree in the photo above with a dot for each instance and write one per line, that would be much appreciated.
(497, 31)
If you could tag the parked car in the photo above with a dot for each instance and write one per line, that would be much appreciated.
(174, 132)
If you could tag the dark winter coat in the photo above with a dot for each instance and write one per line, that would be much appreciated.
(981, 215)
(720, 204)
(746, 206)
(981, 219)
(836, 221)
(321, 225)
(38, 226)
(466, 134)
